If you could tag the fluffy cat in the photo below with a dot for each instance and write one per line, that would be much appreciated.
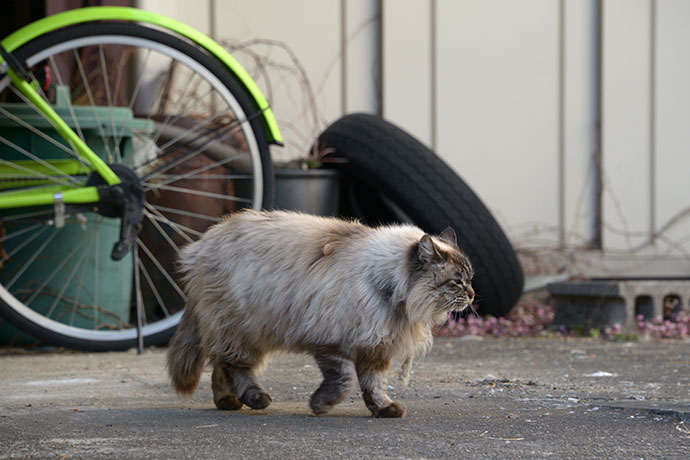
(352, 296)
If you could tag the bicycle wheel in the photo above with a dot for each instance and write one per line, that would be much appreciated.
(174, 116)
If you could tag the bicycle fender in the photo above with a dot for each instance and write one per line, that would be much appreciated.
(104, 13)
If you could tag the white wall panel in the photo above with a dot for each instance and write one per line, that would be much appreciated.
(672, 146)
(580, 120)
(626, 152)
(312, 31)
(361, 64)
(498, 107)
(481, 82)
(406, 55)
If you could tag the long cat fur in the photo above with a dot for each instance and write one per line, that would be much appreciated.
(352, 295)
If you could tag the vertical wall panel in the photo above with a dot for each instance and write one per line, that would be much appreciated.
(312, 31)
(626, 119)
(361, 70)
(580, 118)
(494, 81)
(498, 108)
(673, 117)
(406, 55)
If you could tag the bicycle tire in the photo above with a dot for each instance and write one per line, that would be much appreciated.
(386, 164)
(215, 148)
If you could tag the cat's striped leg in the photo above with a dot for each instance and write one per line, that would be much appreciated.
(250, 391)
(373, 380)
(223, 395)
(239, 379)
(338, 379)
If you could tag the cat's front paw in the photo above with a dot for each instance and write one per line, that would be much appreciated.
(394, 410)
(256, 398)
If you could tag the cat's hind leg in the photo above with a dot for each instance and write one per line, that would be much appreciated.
(223, 395)
(338, 380)
(372, 372)
(238, 379)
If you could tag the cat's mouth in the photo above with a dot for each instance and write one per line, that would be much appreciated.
(456, 305)
(460, 308)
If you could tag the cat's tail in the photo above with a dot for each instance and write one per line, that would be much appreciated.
(186, 356)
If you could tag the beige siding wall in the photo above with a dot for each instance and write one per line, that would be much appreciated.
(507, 92)
(672, 122)
(579, 121)
(626, 122)
(407, 67)
(311, 30)
(498, 105)
(646, 124)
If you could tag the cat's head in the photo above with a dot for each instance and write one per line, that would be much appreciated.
(441, 276)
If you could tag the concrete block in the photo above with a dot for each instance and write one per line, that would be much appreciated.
(605, 302)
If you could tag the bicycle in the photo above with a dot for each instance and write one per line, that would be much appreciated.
(119, 126)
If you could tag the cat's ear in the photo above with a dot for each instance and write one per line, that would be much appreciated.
(428, 252)
(449, 235)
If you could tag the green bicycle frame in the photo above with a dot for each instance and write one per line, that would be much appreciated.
(46, 195)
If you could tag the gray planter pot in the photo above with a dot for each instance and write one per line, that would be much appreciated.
(313, 191)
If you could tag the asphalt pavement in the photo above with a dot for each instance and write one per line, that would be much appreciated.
(468, 398)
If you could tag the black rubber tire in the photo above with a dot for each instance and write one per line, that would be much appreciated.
(382, 159)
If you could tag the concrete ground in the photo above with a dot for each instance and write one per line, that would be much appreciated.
(468, 398)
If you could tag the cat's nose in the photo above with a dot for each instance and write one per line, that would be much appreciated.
(470, 293)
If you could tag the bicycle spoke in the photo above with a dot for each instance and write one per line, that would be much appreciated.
(162, 270)
(67, 282)
(139, 302)
(23, 244)
(165, 236)
(196, 127)
(71, 181)
(106, 83)
(186, 213)
(56, 270)
(70, 107)
(187, 156)
(89, 94)
(96, 283)
(152, 285)
(169, 178)
(80, 283)
(194, 173)
(9, 236)
(31, 260)
(170, 120)
(35, 130)
(154, 214)
(71, 148)
(160, 90)
(200, 193)
(133, 98)
(26, 215)
(118, 81)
